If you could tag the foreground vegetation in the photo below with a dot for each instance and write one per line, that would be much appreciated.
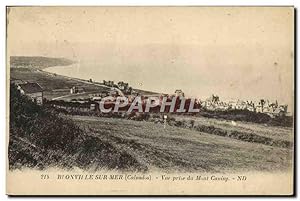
(39, 138)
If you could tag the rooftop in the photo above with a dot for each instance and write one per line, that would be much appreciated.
(31, 87)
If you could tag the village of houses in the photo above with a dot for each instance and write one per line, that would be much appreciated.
(214, 103)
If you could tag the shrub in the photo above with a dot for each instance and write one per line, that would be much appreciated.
(40, 126)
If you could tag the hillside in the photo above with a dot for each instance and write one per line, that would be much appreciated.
(38, 61)
(41, 138)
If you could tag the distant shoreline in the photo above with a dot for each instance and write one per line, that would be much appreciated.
(48, 70)
(38, 62)
(45, 70)
(85, 79)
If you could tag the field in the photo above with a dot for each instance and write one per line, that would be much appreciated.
(182, 149)
(273, 132)
(53, 85)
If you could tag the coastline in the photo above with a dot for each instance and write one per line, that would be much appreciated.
(51, 71)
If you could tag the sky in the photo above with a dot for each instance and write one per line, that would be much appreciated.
(234, 52)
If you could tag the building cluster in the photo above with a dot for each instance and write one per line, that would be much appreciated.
(213, 103)
(262, 106)
(123, 86)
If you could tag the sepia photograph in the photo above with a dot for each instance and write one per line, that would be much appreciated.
(173, 100)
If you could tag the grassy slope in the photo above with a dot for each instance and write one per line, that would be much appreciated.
(41, 138)
(179, 149)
